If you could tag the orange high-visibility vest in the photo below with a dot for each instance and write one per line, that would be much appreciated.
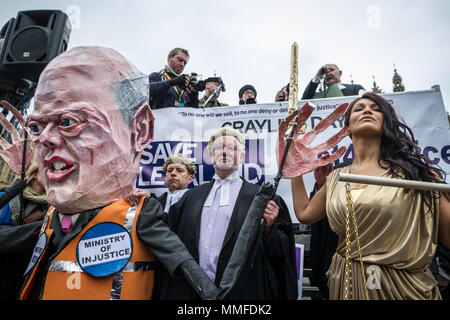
(66, 280)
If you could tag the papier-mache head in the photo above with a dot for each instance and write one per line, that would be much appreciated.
(90, 123)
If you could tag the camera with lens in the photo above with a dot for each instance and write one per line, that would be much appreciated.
(197, 84)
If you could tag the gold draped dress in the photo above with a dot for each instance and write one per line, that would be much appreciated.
(398, 239)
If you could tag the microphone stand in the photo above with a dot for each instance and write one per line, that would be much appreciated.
(23, 177)
(214, 93)
(325, 73)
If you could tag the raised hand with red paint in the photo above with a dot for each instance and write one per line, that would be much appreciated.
(12, 153)
(302, 157)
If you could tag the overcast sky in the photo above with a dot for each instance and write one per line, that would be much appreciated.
(248, 41)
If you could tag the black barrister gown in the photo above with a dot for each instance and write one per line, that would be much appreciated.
(272, 275)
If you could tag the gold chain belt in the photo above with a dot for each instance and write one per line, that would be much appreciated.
(348, 288)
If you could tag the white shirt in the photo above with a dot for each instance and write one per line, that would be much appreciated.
(215, 218)
(173, 197)
(224, 191)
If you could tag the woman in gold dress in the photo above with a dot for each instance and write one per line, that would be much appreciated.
(387, 235)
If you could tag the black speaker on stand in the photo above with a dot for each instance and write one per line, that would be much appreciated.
(27, 44)
(33, 40)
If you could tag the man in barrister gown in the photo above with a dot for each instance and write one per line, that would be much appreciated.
(209, 217)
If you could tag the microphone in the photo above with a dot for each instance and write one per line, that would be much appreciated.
(324, 75)
(324, 72)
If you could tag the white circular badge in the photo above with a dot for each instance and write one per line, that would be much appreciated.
(104, 249)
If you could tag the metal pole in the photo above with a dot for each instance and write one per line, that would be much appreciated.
(390, 182)
(213, 93)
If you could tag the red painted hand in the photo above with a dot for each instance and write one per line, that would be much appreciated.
(302, 158)
(12, 153)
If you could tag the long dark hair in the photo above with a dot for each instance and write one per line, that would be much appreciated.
(398, 148)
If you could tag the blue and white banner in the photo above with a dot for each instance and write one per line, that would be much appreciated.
(187, 131)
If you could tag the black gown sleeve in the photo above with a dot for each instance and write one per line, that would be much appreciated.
(170, 250)
(16, 248)
(19, 238)
(279, 248)
(154, 232)
(310, 90)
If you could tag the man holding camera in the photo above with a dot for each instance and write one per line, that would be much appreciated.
(170, 87)
(213, 87)
(332, 78)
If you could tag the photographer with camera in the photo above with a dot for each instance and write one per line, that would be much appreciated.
(170, 87)
(213, 87)
(331, 76)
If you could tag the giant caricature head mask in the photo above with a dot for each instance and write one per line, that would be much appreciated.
(90, 123)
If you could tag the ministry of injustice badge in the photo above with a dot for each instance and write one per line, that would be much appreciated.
(104, 249)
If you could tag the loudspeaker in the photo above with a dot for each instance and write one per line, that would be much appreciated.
(32, 40)
(8, 80)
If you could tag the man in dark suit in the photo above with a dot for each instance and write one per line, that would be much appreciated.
(332, 78)
(209, 217)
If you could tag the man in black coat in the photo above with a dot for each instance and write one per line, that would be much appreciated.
(209, 217)
(332, 77)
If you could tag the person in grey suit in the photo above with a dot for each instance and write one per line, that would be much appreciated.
(333, 77)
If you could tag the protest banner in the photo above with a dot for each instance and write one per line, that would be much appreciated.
(187, 130)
